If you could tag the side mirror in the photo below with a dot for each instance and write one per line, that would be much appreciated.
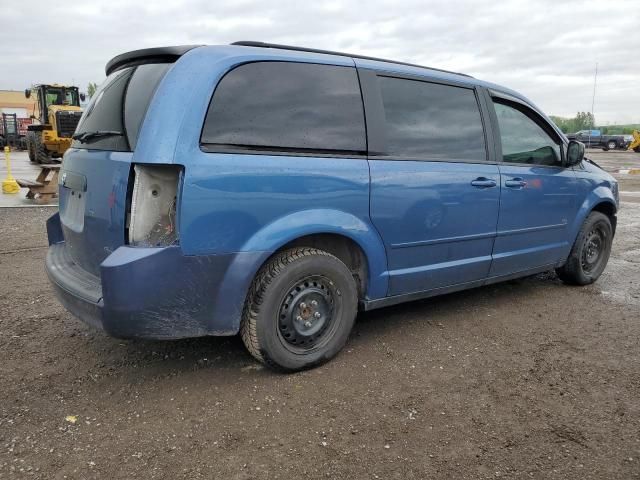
(575, 153)
(27, 92)
(82, 97)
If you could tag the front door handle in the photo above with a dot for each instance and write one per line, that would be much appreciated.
(483, 182)
(515, 183)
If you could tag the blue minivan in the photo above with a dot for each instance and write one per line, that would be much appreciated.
(274, 191)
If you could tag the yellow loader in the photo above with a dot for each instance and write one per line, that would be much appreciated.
(56, 115)
(635, 143)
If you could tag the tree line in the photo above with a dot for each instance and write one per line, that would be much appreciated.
(586, 121)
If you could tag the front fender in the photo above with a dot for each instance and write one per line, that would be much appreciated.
(598, 195)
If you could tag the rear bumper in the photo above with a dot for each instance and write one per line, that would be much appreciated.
(78, 291)
(154, 293)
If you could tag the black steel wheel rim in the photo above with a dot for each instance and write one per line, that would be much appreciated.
(307, 314)
(593, 249)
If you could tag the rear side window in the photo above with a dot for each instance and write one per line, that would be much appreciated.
(284, 106)
(117, 109)
(430, 121)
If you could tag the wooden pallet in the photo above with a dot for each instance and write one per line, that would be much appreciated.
(45, 187)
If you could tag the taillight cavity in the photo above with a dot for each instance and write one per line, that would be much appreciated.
(152, 220)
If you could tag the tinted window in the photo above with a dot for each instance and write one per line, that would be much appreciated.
(141, 88)
(523, 140)
(120, 105)
(279, 105)
(431, 121)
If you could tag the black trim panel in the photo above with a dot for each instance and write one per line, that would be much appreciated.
(373, 112)
(409, 297)
(279, 151)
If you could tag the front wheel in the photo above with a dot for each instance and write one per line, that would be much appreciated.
(300, 309)
(612, 145)
(590, 252)
(40, 151)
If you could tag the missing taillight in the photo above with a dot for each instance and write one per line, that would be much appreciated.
(154, 200)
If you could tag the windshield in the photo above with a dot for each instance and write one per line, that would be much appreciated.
(119, 106)
(61, 96)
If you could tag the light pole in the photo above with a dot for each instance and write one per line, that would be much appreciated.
(593, 100)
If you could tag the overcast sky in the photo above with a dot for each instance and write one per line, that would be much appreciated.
(545, 49)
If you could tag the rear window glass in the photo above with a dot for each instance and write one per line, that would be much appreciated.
(289, 107)
(431, 121)
(119, 106)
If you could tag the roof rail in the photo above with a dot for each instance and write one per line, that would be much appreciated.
(249, 43)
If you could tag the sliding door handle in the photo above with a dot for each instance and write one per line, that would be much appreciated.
(483, 182)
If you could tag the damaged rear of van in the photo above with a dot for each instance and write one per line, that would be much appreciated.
(115, 258)
(162, 228)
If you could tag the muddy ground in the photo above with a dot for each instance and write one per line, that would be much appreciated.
(526, 379)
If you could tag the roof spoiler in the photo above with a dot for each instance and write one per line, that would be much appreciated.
(147, 55)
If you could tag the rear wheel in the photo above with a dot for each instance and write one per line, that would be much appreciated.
(590, 252)
(300, 309)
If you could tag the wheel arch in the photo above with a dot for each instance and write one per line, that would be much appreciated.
(347, 250)
(599, 199)
(340, 233)
(609, 209)
(348, 237)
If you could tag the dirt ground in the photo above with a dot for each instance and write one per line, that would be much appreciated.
(526, 379)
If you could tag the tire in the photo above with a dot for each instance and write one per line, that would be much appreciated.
(590, 252)
(636, 149)
(300, 310)
(40, 152)
(31, 147)
(612, 145)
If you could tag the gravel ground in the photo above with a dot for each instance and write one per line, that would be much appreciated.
(526, 379)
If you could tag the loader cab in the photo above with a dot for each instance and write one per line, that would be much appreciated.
(50, 95)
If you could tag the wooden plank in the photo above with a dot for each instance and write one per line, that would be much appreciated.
(28, 183)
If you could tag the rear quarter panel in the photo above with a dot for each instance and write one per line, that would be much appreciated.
(237, 203)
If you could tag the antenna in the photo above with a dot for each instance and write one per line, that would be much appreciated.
(593, 100)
